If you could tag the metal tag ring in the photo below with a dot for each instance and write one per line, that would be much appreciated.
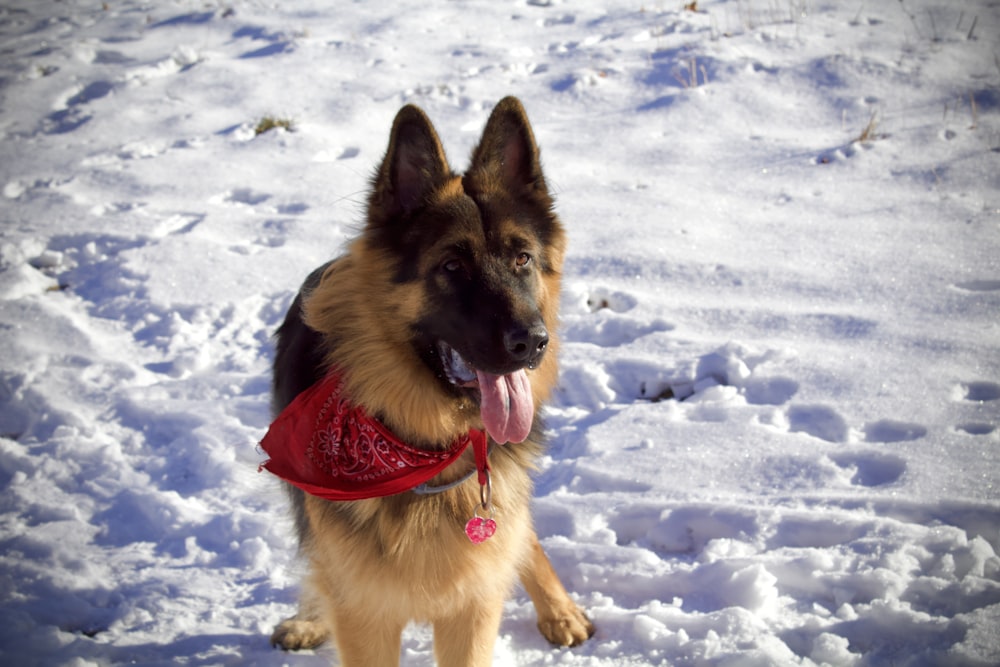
(486, 494)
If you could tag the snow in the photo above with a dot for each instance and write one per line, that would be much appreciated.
(826, 493)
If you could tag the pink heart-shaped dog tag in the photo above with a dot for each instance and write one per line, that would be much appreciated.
(479, 529)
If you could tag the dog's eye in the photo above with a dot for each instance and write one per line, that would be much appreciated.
(452, 266)
(522, 260)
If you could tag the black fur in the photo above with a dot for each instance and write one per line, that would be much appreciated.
(298, 361)
(298, 364)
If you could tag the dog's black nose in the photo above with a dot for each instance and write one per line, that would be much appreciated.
(526, 344)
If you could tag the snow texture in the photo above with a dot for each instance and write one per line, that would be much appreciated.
(776, 438)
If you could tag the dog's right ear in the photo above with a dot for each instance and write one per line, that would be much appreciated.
(507, 156)
(414, 165)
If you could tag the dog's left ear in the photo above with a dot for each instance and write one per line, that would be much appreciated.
(507, 154)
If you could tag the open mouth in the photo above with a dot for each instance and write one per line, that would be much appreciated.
(456, 369)
(506, 404)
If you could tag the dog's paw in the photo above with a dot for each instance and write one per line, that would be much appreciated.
(570, 627)
(295, 634)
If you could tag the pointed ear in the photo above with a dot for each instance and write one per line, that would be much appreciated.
(507, 152)
(414, 165)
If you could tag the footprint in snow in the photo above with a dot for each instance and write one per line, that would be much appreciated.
(294, 208)
(684, 529)
(246, 196)
(979, 391)
(69, 112)
(769, 391)
(273, 233)
(979, 286)
(565, 19)
(871, 468)
(818, 421)
(108, 57)
(976, 428)
(888, 430)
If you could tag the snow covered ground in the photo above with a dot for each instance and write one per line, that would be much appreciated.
(784, 212)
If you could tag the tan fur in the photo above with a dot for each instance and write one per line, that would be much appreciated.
(376, 565)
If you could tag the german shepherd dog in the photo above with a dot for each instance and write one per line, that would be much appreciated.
(439, 322)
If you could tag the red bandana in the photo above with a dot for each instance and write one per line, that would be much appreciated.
(332, 449)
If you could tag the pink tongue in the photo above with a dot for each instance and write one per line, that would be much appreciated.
(507, 406)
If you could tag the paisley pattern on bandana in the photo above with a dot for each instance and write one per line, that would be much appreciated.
(348, 444)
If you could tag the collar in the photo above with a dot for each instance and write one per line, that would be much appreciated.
(330, 448)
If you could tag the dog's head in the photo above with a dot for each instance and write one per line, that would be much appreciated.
(478, 256)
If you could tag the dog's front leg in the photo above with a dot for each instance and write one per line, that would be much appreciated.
(308, 628)
(560, 620)
(467, 638)
(297, 633)
(363, 641)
